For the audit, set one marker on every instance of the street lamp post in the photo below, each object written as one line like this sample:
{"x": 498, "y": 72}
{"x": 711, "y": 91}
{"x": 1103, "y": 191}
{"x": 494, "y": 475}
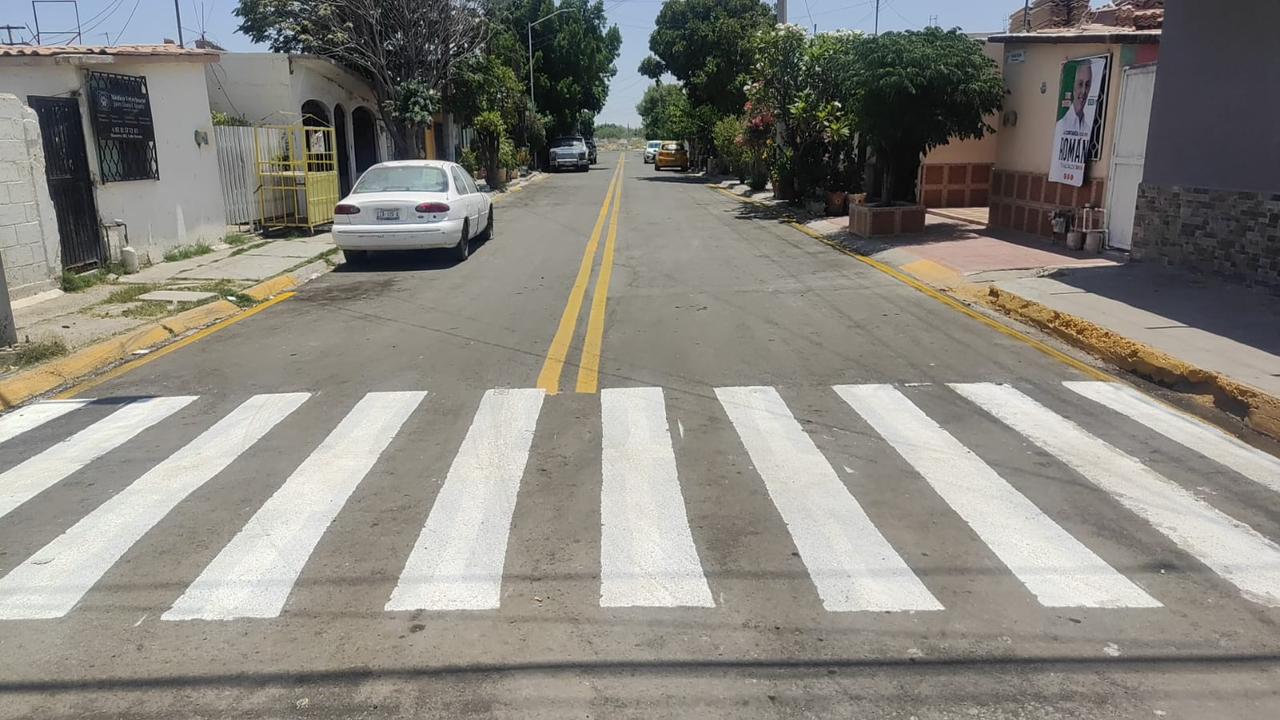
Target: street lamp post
{"x": 532, "y": 103}
{"x": 535, "y": 22}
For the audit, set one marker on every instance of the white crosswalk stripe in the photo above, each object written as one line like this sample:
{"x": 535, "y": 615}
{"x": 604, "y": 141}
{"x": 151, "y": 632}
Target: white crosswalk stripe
{"x": 1056, "y": 567}
{"x": 35, "y": 475}
{"x": 850, "y": 562}
{"x": 33, "y": 416}
{"x": 1208, "y": 441}
{"x": 648, "y": 540}
{"x": 1237, "y": 552}
{"x": 457, "y": 562}
{"x": 647, "y": 556}
{"x": 51, "y": 582}
{"x": 255, "y": 572}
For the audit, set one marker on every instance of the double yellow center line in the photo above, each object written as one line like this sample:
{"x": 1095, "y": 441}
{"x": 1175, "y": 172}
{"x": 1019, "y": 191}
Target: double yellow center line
{"x": 589, "y": 363}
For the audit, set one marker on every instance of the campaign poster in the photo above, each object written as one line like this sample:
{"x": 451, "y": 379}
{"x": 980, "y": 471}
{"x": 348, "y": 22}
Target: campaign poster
{"x": 1081, "y": 95}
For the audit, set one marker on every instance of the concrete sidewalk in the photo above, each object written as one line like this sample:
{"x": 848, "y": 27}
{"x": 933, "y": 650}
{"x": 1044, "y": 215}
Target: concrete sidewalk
{"x": 1194, "y": 333}
{"x": 64, "y": 336}
{"x": 125, "y": 302}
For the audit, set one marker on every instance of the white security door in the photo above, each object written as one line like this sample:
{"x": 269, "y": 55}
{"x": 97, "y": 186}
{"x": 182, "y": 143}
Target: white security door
{"x": 1129, "y": 153}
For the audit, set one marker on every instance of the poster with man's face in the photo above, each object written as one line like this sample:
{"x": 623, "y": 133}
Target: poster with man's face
{"x": 1079, "y": 108}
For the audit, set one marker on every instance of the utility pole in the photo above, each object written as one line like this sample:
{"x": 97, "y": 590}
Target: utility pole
{"x": 1026, "y": 16}
{"x": 178, "y": 12}
{"x": 782, "y": 11}
{"x": 877, "y": 30}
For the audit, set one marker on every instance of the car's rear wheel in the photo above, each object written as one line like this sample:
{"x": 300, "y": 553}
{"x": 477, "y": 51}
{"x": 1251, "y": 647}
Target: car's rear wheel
{"x": 462, "y": 250}
{"x": 487, "y": 235}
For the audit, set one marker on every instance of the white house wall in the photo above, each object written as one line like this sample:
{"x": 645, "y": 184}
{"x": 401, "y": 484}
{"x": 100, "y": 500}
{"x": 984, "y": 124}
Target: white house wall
{"x": 185, "y": 205}
{"x": 270, "y": 88}
{"x": 254, "y": 86}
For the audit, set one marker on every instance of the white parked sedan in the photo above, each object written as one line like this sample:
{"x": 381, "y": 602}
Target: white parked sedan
{"x": 412, "y": 205}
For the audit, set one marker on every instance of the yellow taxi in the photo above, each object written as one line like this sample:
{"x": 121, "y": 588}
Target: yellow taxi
{"x": 671, "y": 154}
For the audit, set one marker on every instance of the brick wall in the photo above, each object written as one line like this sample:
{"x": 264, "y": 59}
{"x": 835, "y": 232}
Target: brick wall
{"x": 1025, "y": 201}
{"x": 28, "y": 228}
{"x": 955, "y": 184}
{"x": 1231, "y": 233}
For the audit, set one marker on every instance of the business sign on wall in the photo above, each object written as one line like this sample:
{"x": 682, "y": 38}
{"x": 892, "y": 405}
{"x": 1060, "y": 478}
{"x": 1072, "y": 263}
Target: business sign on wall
{"x": 1081, "y": 113}
{"x": 120, "y": 111}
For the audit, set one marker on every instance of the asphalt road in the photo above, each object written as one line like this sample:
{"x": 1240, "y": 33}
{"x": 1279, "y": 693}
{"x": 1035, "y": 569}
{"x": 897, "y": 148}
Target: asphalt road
{"x": 755, "y": 478}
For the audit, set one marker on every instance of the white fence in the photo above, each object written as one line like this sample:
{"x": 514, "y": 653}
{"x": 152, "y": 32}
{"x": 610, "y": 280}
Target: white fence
{"x": 237, "y": 172}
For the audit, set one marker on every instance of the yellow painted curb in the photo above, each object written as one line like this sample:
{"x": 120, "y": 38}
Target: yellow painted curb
{"x": 136, "y": 363}
{"x": 1260, "y": 410}
{"x": 25, "y": 385}
{"x": 934, "y": 273}
{"x": 199, "y": 316}
{"x": 271, "y": 286}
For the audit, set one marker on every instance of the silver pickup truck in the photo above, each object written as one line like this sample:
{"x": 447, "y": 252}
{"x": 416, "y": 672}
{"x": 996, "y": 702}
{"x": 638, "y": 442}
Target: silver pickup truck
{"x": 569, "y": 151}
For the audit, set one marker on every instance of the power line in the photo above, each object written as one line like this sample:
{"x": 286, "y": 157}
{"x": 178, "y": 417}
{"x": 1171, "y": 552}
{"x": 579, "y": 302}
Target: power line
{"x": 97, "y": 20}
{"x": 100, "y": 13}
{"x": 127, "y": 20}
{"x": 892, "y": 7}
{"x": 820, "y": 13}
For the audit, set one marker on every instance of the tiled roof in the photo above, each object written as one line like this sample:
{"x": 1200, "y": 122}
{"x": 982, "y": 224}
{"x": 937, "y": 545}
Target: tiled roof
{"x": 129, "y": 50}
{"x": 1081, "y": 34}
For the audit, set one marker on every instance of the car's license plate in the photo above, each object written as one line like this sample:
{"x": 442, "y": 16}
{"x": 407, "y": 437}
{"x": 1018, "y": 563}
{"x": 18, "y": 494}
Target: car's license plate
{"x": 385, "y": 214}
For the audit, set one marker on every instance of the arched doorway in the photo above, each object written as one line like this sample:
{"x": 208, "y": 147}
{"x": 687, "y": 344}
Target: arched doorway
{"x": 365, "y": 137}
{"x": 340, "y": 137}
{"x": 315, "y": 114}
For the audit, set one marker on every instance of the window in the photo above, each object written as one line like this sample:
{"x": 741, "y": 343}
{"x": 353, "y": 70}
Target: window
{"x": 120, "y": 111}
{"x": 458, "y": 183}
{"x": 471, "y": 182}
{"x": 402, "y": 178}
{"x": 672, "y": 146}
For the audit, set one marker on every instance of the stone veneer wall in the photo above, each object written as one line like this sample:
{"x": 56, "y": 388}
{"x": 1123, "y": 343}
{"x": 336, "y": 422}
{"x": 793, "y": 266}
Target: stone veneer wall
{"x": 1231, "y": 233}
{"x": 1025, "y": 201}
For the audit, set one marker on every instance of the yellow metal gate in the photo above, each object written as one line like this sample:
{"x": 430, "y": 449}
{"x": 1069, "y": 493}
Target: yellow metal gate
{"x": 297, "y": 175}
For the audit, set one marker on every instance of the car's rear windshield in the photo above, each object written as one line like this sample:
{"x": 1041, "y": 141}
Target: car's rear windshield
{"x": 403, "y": 178}
{"x": 671, "y": 146}
{"x": 566, "y": 142}
{"x": 654, "y": 143}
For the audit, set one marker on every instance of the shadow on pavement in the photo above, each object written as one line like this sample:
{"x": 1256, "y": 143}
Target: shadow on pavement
{"x": 1062, "y": 664}
{"x": 407, "y": 260}
{"x": 671, "y": 176}
{"x": 1206, "y": 302}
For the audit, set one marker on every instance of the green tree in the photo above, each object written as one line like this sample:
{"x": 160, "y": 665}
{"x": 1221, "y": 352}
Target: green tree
{"x": 406, "y": 49}
{"x": 661, "y": 109}
{"x": 707, "y": 46}
{"x": 484, "y": 84}
{"x": 913, "y": 91}
{"x": 574, "y": 54}
{"x": 613, "y": 131}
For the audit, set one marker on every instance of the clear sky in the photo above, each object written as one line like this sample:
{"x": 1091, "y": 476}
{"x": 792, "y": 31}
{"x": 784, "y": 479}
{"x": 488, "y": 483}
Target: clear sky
{"x": 150, "y": 21}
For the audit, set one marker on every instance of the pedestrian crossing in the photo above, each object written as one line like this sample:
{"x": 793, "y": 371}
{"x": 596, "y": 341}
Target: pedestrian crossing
{"x": 652, "y": 549}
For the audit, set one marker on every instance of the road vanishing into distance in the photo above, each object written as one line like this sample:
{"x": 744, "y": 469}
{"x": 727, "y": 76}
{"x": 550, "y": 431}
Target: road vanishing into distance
{"x": 648, "y": 453}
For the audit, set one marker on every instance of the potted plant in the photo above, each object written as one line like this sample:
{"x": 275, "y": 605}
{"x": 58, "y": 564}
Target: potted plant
{"x": 783, "y": 175}
{"x": 837, "y": 202}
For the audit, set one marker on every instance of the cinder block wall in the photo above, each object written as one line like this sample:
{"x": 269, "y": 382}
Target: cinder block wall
{"x": 28, "y": 227}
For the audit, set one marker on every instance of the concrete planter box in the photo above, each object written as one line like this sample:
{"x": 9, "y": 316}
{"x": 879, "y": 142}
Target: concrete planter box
{"x": 875, "y": 221}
